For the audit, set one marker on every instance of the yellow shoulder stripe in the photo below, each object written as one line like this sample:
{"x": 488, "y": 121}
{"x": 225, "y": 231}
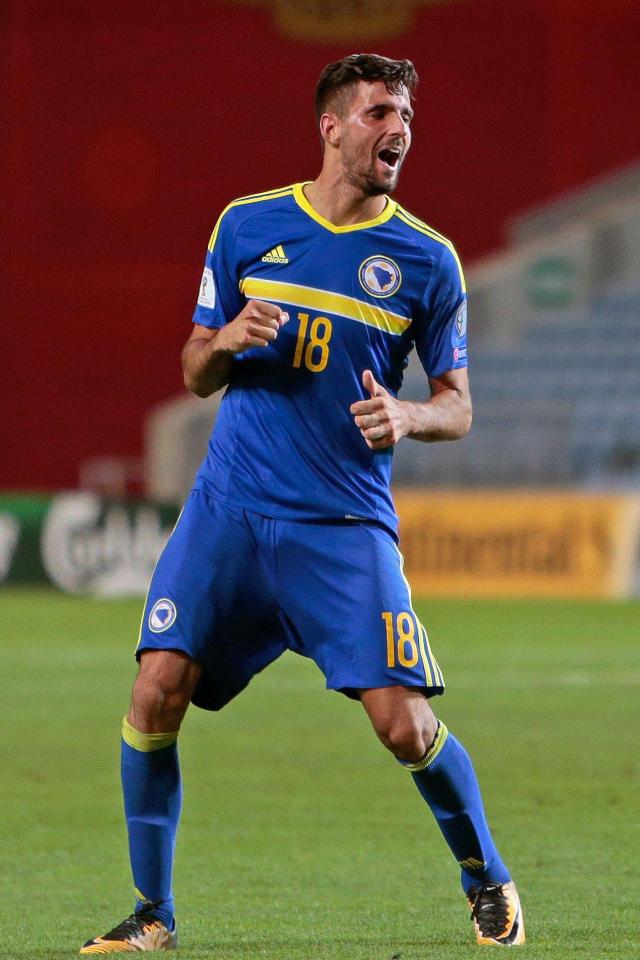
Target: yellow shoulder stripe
{"x": 264, "y": 194}
{"x": 421, "y": 227}
{"x": 416, "y": 221}
{"x": 254, "y": 198}
{"x": 325, "y": 300}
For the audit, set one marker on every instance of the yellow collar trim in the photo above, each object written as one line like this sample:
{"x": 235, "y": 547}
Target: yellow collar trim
{"x": 303, "y": 203}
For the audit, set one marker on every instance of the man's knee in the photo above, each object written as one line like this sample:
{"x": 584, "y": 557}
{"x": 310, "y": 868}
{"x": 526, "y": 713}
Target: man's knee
{"x": 162, "y": 690}
{"x": 406, "y": 739}
{"x": 403, "y": 721}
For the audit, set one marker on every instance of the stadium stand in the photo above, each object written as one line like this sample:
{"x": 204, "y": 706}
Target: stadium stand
{"x": 555, "y": 356}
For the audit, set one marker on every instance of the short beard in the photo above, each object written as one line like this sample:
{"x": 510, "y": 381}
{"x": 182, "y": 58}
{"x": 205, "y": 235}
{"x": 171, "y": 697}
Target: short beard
{"x": 370, "y": 186}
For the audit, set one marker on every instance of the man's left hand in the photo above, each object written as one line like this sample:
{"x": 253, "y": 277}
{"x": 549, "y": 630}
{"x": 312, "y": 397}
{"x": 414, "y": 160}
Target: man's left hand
{"x": 382, "y": 420}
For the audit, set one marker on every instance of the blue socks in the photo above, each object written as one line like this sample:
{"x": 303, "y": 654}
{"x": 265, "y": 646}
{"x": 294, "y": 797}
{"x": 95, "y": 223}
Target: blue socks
{"x": 446, "y": 780}
{"x": 153, "y": 796}
{"x": 152, "y": 793}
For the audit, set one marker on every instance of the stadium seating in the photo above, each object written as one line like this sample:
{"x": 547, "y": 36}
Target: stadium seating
{"x": 558, "y": 405}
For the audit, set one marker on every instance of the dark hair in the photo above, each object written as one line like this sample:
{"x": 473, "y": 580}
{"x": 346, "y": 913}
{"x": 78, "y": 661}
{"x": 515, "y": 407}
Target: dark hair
{"x": 337, "y": 77}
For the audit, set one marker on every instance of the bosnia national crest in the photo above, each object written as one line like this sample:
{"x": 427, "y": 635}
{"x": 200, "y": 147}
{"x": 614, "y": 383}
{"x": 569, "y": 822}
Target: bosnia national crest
{"x": 380, "y": 276}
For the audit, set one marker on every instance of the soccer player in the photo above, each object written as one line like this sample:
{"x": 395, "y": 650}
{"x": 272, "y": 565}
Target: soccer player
{"x": 311, "y": 299}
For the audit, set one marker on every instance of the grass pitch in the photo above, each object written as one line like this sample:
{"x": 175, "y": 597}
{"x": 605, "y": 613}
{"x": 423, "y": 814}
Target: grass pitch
{"x": 301, "y": 838}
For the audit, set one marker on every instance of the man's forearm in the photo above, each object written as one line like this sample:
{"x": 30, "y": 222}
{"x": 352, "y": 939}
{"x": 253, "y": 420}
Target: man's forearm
{"x": 446, "y": 416}
{"x": 208, "y": 356}
{"x": 205, "y": 366}
{"x": 383, "y": 420}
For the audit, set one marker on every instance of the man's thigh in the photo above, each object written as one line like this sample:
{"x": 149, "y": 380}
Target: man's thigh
{"x": 211, "y": 598}
{"x": 344, "y": 593}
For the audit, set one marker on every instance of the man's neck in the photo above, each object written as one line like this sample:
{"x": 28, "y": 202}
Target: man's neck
{"x": 340, "y": 203}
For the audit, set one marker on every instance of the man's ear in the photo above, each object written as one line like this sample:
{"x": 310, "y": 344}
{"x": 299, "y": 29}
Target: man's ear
{"x": 330, "y": 129}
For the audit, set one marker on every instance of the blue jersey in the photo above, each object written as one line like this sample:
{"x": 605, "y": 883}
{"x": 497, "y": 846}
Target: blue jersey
{"x": 359, "y": 297}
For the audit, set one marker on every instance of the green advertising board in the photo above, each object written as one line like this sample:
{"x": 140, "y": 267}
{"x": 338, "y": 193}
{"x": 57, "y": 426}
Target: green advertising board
{"x": 82, "y": 543}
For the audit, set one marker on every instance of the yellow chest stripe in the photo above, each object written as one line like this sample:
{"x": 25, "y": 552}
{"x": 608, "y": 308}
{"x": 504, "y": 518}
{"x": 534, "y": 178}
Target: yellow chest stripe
{"x": 325, "y": 301}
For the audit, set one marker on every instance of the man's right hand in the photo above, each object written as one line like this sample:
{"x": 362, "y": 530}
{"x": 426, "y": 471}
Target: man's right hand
{"x": 207, "y": 356}
{"x": 257, "y": 325}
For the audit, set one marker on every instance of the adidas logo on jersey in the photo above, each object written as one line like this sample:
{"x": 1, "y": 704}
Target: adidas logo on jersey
{"x": 277, "y": 255}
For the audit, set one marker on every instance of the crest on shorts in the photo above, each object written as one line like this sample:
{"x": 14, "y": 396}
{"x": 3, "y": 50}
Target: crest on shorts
{"x": 380, "y": 276}
{"x": 163, "y": 615}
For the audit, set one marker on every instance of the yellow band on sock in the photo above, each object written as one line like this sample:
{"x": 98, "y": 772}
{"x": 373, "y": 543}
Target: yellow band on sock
{"x": 432, "y": 752}
{"x": 146, "y": 742}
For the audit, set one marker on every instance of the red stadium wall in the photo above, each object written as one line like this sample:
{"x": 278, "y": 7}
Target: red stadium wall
{"x": 127, "y": 127}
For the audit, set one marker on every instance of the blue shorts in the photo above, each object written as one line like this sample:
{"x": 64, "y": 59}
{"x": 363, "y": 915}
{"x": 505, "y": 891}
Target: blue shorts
{"x": 233, "y": 590}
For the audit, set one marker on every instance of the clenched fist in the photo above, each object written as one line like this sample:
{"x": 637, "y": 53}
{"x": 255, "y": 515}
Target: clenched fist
{"x": 257, "y": 325}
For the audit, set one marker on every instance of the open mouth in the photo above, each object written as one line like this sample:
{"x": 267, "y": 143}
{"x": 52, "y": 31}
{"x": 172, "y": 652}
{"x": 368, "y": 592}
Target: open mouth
{"x": 390, "y": 157}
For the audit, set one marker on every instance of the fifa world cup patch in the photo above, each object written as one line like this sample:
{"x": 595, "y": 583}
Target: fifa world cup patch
{"x": 163, "y": 615}
{"x": 207, "y": 294}
{"x": 380, "y": 276}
